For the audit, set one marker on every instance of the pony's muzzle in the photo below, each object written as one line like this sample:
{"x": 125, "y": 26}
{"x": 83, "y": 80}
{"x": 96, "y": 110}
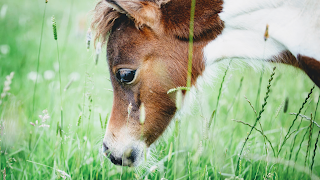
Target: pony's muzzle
{"x": 128, "y": 158}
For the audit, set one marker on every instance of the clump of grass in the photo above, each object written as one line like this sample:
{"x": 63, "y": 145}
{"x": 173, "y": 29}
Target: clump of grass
{"x": 261, "y": 132}
{"x": 287, "y": 135}
{"x": 260, "y": 113}
{"x": 60, "y": 173}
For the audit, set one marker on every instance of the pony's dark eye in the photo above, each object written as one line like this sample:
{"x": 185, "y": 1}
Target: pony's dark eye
{"x": 125, "y": 75}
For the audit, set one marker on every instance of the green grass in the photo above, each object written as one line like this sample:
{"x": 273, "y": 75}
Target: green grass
{"x": 190, "y": 148}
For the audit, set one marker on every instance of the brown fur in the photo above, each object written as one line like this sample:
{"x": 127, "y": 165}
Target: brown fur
{"x": 311, "y": 67}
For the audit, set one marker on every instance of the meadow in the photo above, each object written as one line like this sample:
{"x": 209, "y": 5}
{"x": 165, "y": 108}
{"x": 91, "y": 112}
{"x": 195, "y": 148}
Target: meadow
{"x": 245, "y": 124}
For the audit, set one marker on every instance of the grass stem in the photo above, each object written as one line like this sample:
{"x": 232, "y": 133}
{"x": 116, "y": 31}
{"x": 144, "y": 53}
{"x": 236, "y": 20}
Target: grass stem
{"x": 38, "y": 63}
{"x": 191, "y": 31}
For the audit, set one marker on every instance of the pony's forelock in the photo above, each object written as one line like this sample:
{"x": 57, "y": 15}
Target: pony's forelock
{"x": 103, "y": 20}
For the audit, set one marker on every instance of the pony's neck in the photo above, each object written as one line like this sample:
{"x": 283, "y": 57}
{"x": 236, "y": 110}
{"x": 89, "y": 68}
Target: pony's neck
{"x": 291, "y": 28}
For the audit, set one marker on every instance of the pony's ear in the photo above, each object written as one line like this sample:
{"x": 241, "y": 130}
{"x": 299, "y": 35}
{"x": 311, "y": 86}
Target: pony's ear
{"x": 144, "y": 13}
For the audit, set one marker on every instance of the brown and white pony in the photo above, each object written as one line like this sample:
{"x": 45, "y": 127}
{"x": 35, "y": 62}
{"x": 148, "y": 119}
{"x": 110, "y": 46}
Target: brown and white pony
{"x": 147, "y": 52}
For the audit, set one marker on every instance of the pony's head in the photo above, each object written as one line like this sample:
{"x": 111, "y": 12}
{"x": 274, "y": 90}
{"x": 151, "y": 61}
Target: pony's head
{"x": 147, "y": 52}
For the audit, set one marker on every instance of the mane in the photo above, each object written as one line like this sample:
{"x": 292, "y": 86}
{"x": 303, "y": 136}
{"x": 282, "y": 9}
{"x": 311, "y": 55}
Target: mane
{"x": 103, "y": 20}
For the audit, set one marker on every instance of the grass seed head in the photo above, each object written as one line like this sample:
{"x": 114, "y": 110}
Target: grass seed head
{"x": 54, "y": 27}
{"x": 142, "y": 114}
{"x": 89, "y": 37}
{"x": 98, "y": 51}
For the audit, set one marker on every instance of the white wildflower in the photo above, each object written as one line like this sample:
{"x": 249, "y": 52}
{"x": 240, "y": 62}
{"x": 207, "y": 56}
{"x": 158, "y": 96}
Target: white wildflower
{"x": 6, "y": 88}
{"x": 7, "y": 83}
{"x": 153, "y": 168}
{"x": 63, "y": 174}
{"x": 48, "y": 74}
{"x": 56, "y": 66}
{"x": 45, "y": 117}
{"x": 89, "y": 161}
{"x": 44, "y": 125}
{"x": 3, "y": 11}
{"x": 4, "y": 49}
{"x": 34, "y": 75}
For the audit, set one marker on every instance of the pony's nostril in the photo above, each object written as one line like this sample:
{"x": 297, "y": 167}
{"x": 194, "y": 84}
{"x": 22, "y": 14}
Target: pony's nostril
{"x": 105, "y": 147}
{"x": 114, "y": 160}
{"x": 130, "y": 154}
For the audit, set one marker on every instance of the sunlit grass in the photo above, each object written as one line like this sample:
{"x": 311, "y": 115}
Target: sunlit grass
{"x": 194, "y": 147}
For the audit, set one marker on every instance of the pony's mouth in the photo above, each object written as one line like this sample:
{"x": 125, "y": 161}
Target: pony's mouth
{"x": 131, "y": 156}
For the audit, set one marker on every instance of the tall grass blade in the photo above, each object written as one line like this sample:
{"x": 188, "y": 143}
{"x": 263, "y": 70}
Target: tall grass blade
{"x": 38, "y": 63}
{"x": 309, "y": 142}
{"x": 314, "y": 151}
{"x": 190, "y": 53}
{"x": 296, "y": 158}
{"x": 259, "y": 89}
{"x": 220, "y": 90}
